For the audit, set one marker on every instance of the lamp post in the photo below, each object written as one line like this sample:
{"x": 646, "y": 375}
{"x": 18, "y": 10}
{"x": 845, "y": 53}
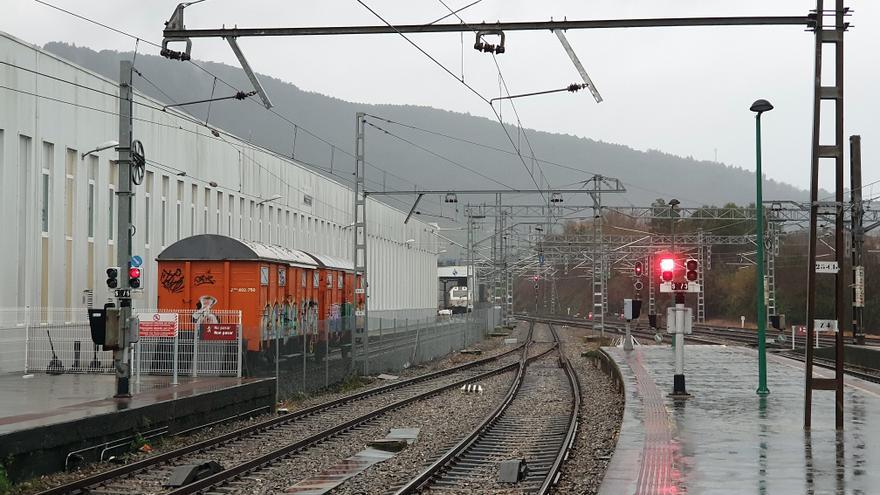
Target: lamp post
{"x": 759, "y": 107}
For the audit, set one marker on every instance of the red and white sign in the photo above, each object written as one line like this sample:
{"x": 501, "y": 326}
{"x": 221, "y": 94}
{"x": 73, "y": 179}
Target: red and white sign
{"x": 219, "y": 331}
{"x": 157, "y": 324}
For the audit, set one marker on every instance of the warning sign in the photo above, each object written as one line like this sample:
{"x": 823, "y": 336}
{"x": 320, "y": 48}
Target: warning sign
{"x": 157, "y": 324}
{"x": 219, "y": 331}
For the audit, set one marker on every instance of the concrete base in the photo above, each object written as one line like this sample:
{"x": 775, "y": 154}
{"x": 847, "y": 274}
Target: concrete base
{"x": 49, "y": 421}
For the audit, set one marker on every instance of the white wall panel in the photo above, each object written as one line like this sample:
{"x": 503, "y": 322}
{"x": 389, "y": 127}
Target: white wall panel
{"x": 401, "y": 276}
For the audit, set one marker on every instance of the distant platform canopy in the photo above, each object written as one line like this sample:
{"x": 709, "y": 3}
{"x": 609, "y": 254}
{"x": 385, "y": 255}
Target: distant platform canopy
{"x": 213, "y": 247}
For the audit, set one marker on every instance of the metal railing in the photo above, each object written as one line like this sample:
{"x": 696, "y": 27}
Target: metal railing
{"x": 58, "y": 340}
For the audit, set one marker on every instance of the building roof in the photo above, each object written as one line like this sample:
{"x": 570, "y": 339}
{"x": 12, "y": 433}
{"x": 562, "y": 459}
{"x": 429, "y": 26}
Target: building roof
{"x": 213, "y": 247}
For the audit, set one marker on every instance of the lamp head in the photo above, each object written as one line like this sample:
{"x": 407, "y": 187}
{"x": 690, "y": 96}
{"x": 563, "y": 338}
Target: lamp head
{"x": 761, "y": 106}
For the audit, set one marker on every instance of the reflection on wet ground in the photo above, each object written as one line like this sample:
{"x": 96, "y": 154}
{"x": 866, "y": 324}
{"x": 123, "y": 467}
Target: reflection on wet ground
{"x": 727, "y": 439}
{"x": 42, "y": 399}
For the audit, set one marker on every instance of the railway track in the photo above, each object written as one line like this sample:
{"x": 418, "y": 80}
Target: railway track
{"x": 537, "y": 421}
{"x": 722, "y": 336}
{"x": 248, "y": 449}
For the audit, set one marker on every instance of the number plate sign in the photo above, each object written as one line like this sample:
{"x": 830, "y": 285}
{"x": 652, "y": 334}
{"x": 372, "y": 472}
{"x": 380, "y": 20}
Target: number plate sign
{"x": 666, "y": 287}
{"x": 359, "y": 312}
{"x": 359, "y": 290}
{"x": 122, "y": 293}
{"x": 825, "y": 325}
{"x": 826, "y": 267}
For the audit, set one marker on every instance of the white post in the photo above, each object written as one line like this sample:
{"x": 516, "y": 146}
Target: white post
{"x": 174, "y": 360}
{"x": 195, "y": 362}
{"x": 742, "y": 321}
{"x": 627, "y": 340}
{"x": 792, "y": 336}
{"x": 817, "y": 338}
{"x": 27, "y": 338}
{"x": 137, "y": 363}
{"x": 239, "y": 350}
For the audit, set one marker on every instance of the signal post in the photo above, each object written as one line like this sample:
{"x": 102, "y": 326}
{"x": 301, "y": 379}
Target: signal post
{"x": 679, "y": 319}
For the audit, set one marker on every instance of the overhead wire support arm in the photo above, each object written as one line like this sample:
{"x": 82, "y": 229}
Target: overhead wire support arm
{"x": 578, "y": 65}
{"x": 241, "y": 95}
{"x": 411, "y": 210}
{"x": 571, "y": 88}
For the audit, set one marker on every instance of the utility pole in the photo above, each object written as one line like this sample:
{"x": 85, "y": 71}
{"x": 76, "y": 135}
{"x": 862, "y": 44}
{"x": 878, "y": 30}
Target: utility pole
{"x": 122, "y": 356}
{"x": 360, "y": 242}
{"x": 858, "y": 239}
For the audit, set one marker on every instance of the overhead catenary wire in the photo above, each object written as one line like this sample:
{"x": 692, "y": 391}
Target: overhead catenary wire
{"x": 220, "y": 79}
{"x": 471, "y": 88}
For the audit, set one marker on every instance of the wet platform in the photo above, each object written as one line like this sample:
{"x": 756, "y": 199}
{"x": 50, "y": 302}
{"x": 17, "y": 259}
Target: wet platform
{"x": 726, "y": 439}
{"x": 52, "y": 422}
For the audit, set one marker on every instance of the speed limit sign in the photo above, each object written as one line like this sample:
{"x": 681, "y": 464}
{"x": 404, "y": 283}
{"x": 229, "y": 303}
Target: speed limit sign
{"x": 638, "y": 285}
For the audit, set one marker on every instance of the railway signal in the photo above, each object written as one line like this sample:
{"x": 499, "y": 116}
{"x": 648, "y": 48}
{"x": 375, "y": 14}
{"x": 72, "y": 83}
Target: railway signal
{"x": 638, "y": 268}
{"x": 134, "y": 277}
{"x": 691, "y": 267}
{"x": 112, "y": 277}
{"x": 667, "y": 265}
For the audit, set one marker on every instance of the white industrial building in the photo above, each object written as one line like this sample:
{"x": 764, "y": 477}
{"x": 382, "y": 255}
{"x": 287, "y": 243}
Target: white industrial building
{"x": 58, "y": 221}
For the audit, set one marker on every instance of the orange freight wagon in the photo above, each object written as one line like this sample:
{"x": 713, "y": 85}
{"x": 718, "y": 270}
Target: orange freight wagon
{"x": 280, "y": 292}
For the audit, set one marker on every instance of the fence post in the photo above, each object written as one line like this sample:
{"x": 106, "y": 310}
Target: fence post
{"x": 239, "y": 349}
{"x": 305, "y": 341}
{"x": 195, "y": 358}
{"x": 27, "y": 339}
{"x": 174, "y": 361}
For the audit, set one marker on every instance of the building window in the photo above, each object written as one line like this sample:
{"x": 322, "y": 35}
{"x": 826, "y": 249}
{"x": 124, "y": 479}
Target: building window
{"x": 93, "y": 173}
{"x": 264, "y": 275}
{"x": 48, "y": 158}
{"x": 282, "y": 276}
{"x": 69, "y": 192}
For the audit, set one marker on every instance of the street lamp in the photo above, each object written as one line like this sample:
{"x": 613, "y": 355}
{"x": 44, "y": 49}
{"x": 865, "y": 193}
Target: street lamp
{"x": 759, "y": 107}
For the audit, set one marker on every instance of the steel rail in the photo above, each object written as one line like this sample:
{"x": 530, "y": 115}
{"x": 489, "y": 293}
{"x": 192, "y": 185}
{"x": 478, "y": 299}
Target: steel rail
{"x": 424, "y": 478}
{"x": 265, "y": 459}
{"x": 82, "y": 485}
{"x": 570, "y": 436}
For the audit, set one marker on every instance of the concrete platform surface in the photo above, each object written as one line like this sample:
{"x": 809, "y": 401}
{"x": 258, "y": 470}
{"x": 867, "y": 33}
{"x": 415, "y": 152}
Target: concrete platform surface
{"x": 43, "y": 399}
{"x": 726, "y": 439}
{"x": 49, "y": 422}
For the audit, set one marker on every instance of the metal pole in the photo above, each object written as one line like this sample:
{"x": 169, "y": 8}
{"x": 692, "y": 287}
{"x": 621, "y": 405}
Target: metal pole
{"x": 121, "y": 357}
{"x": 174, "y": 359}
{"x": 858, "y": 239}
{"x": 759, "y": 279}
{"x": 678, "y": 380}
{"x": 238, "y": 350}
{"x": 277, "y": 365}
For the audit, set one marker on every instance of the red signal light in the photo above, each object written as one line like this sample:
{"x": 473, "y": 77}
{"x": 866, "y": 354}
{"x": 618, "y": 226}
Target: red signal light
{"x": 638, "y": 268}
{"x": 134, "y": 272}
{"x": 667, "y": 265}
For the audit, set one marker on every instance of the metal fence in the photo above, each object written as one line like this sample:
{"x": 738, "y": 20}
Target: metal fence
{"x": 37, "y": 340}
{"x": 206, "y": 344}
{"x": 328, "y": 356}
{"x": 313, "y": 357}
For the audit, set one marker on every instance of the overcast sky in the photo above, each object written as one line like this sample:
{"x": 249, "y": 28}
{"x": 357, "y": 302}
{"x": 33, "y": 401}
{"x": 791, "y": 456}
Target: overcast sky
{"x": 680, "y": 90}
